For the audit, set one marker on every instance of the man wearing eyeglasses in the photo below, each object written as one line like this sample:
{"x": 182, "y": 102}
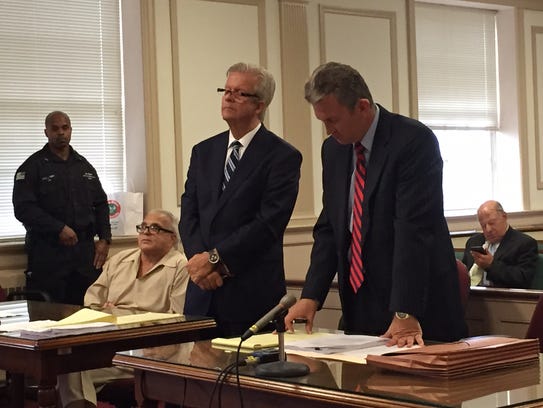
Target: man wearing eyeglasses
{"x": 152, "y": 278}
{"x": 239, "y": 195}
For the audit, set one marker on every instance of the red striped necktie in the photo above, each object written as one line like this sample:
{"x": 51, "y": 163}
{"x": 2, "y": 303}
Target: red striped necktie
{"x": 356, "y": 276}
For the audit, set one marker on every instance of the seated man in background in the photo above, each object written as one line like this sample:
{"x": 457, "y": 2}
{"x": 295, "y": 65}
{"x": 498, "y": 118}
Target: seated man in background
{"x": 500, "y": 256}
{"x": 152, "y": 277}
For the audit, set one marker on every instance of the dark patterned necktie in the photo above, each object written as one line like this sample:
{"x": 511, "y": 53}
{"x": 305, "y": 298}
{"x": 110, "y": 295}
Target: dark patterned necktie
{"x": 356, "y": 275}
{"x": 231, "y": 163}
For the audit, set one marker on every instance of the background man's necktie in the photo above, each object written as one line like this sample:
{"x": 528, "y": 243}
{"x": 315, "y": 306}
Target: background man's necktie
{"x": 231, "y": 163}
{"x": 476, "y": 274}
{"x": 356, "y": 276}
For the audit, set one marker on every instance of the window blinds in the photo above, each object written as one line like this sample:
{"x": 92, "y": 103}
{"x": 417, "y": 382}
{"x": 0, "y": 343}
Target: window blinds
{"x": 456, "y": 65}
{"x": 60, "y": 55}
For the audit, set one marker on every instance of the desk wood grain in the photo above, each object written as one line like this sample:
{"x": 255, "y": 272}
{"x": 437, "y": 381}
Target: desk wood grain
{"x": 44, "y": 358}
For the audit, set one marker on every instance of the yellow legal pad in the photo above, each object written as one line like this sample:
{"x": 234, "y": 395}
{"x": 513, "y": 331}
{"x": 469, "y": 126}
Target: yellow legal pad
{"x": 82, "y": 321}
{"x": 86, "y": 316}
{"x": 91, "y": 316}
{"x": 259, "y": 341}
{"x": 145, "y": 317}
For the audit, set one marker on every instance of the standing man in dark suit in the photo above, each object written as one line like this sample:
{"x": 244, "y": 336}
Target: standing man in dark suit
{"x": 397, "y": 277}
{"x": 508, "y": 258}
{"x": 239, "y": 195}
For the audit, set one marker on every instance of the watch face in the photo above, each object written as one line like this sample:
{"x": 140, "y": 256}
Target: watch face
{"x": 402, "y": 315}
{"x": 213, "y": 258}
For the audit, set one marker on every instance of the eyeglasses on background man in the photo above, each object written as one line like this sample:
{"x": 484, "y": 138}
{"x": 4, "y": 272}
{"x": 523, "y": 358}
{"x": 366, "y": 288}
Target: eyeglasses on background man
{"x": 151, "y": 229}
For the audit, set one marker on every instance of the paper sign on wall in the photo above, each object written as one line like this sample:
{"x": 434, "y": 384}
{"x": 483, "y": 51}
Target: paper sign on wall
{"x": 125, "y": 212}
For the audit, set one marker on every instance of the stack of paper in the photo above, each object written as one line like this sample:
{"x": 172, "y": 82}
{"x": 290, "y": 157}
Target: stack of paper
{"x": 259, "y": 341}
{"x": 13, "y": 312}
{"x": 321, "y": 345}
{"x": 452, "y": 391}
{"x": 454, "y": 360}
{"x": 83, "y": 321}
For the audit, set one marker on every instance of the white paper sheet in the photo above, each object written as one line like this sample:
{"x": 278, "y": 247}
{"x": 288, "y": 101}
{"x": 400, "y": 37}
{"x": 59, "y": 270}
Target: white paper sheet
{"x": 340, "y": 346}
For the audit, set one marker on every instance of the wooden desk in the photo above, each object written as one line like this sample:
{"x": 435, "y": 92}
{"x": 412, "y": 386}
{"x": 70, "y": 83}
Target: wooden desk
{"x": 44, "y": 358}
{"x": 185, "y": 374}
{"x": 500, "y": 311}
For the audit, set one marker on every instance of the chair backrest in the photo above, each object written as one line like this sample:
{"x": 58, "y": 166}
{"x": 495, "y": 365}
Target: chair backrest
{"x": 535, "y": 328}
{"x": 119, "y": 393}
{"x": 459, "y": 253}
{"x": 464, "y": 282}
{"x": 29, "y": 294}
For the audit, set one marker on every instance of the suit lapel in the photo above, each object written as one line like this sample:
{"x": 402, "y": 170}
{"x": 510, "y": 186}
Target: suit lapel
{"x": 339, "y": 187}
{"x": 379, "y": 153}
{"x": 503, "y": 244}
{"x": 252, "y": 158}
{"x": 217, "y": 159}
{"x": 378, "y": 159}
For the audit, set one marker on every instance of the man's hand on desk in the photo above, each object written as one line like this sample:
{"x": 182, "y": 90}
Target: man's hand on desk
{"x": 305, "y": 309}
{"x": 404, "y": 332}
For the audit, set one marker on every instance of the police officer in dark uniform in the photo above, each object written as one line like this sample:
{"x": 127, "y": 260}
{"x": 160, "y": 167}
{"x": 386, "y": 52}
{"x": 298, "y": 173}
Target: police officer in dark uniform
{"x": 58, "y": 197}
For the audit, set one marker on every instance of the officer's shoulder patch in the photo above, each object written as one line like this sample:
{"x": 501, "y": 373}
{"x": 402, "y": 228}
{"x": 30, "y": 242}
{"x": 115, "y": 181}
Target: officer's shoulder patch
{"x": 20, "y": 175}
{"x": 89, "y": 176}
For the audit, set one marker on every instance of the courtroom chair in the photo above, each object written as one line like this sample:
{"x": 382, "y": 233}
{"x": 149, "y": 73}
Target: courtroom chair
{"x": 464, "y": 282}
{"x": 29, "y": 294}
{"x": 458, "y": 253}
{"x": 535, "y": 328}
{"x": 119, "y": 393}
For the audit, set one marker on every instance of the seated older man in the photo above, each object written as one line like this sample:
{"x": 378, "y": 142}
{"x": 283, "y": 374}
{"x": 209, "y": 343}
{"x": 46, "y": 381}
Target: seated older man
{"x": 500, "y": 256}
{"x": 152, "y": 277}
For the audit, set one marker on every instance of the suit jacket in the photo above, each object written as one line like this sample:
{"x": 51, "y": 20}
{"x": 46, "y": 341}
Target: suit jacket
{"x": 407, "y": 252}
{"x": 245, "y": 222}
{"x": 514, "y": 262}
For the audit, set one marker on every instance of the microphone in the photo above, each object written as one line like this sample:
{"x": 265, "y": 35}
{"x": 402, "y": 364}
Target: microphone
{"x": 286, "y": 301}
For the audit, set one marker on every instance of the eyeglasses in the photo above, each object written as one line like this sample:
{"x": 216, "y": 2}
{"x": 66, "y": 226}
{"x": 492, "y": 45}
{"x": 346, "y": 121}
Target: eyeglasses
{"x": 236, "y": 93}
{"x": 151, "y": 229}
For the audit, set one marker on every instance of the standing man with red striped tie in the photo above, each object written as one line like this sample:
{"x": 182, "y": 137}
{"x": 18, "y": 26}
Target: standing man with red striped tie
{"x": 382, "y": 227}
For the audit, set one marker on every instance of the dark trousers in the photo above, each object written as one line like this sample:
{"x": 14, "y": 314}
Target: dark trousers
{"x": 63, "y": 272}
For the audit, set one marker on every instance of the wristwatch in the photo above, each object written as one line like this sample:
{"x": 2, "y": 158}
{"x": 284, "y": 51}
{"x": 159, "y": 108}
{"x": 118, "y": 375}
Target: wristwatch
{"x": 401, "y": 315}
{"x": 213, "y": 256}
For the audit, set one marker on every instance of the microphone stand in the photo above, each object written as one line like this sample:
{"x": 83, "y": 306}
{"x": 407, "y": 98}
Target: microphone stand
{"x": 281, "y": 368}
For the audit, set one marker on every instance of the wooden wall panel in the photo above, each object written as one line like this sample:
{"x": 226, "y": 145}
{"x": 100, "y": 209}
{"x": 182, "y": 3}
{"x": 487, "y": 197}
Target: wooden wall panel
{"x": 375, "y": 59}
